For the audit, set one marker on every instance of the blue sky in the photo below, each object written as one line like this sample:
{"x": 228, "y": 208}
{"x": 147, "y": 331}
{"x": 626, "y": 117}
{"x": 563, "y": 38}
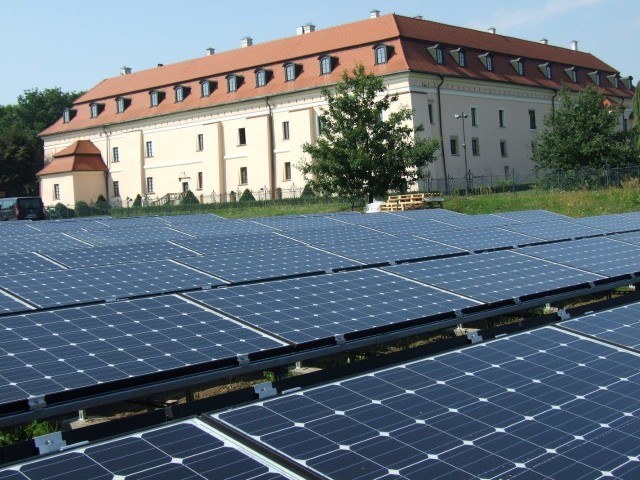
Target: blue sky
{"x": 74, "y": 44}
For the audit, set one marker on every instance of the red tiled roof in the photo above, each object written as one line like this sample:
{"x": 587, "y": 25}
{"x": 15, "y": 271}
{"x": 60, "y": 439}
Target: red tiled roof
{"x": 351, "y": 44}
{"x": 81, "y": 156}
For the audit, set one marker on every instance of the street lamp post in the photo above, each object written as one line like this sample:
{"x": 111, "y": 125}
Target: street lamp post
{"x": 462, "y": 116}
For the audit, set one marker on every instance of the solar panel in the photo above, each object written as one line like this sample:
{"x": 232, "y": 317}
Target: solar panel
{"x": 479, "y": 221}
{"x": 417, "y": 227}
{"x": 495, "y": 276}
{"x": 483, "y": 239}
{"x": 431, "y": 213}
{"x": 61, "y": 350}
{"x": 15, "y": 263}
{"x": 310, "y": 308}
{"x": 228, "y": 227}
{"x": 96, "y": 284}
{"x": 40, "y": 241}
{"x": 630, "y": 237}
{"x": 133, "y": 222}
{"x": 186, "y": 450}
{"x": 266, "y": 264}
{"x": 124, "y": 236}
{"x": 621, "y": 222}
{"x": 112, "y": 255}
{"x": 544, "y": 404}
{"x": 534, "y": 216}
{"x": 196, "y": 218}
{"x": 340, "y": 233}
{"x": 618, "y": 325}
{"x": 555, "y": 230}
{"x": 600, "y": 255}
{"x": 297, "y": 222}
{"x": 384, "y": 250}
{"x": 10, "y": 305}
{"x": 371, "y": 219}
{"x": 237, "y": 243}
{"x": 18, "y": 228}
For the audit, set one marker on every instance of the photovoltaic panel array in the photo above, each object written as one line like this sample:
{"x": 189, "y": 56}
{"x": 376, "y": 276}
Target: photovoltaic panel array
{"x": 433, "y": 213}
{"x": 268, "y": 264}
{"x": 297, "y": 222}
{"x": 423, "y": 226}
{"x": 543, "y": 404}
{"x": 338, "y": 234}
{"x": 479, "y": 240}
{"x": 495, "y": 276}
{"x": 480, "y": 221}
{"x": 311, "y": 308}
{"x": 388, "y": 250}
{"x": 122, "y": 236}
{"x": 534, "y": 216}
{"x": 54, "y": 351}
{"x": 621, "y": 222}
{"x": 15, "y": 263}
{"x": 618, "y": 325}
{"x": 10, "y": 305}
{"x": 237, "y": 243}
{"x": 227, "y": 227}
{"x": 40, "y": 241}
{"x": 629, "y": 237}
{"x": 188, "y": 450}
{"x": 555, "y": 230}
{"x": 600, "y": 255}
{"x": 97, "y": 284}
{"x": 112, "y": 255}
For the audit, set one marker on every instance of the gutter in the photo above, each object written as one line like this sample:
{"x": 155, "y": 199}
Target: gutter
{"x": 444, "y": 161}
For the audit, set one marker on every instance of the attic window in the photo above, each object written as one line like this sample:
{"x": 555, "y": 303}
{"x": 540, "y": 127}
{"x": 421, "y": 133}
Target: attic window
{"x": 595, "y": 77}
{"x": 327, "y": 64}
{"x": 628, "y": 82}
{"x": 156, "y": 96}
{"x": 206, "y": 87}
{"x": 234, "y": 82}
{"x": 487, "y": 60}
{"x": 572, "y": 73}
{"x": 182, "y": 92}
{"x": 291, "y": 71}
{"x": 96, "y": 109}
{"x": 518, "y": 65}
{"x": 460, "y": 56}
{"x": 68, "y": 114}
{"x": 121, "y": 104}
{"x": 382, "y": 54}
{"x": 437, "y": 53}
{"x": 546, "y": 70}
{"x": 614, "y": 79}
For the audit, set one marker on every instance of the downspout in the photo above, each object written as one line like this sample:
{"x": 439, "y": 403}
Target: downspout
{"x": 106, "y": 174}
{"x": 272, "y": 155}
{"x": 444, "y": 161}
{"x": 553, "y": 99}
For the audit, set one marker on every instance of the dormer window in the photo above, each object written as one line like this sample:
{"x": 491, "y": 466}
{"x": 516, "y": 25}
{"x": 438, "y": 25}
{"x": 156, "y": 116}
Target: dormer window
{"x": 628, "y": 82}
{"x": 121, "y": 104}
{"x": 234, "y": 82}
{"x": 460, "y": 56}
{"x": 487, "y": 60}
{"x": 518, "y": 65}
{"x": 437, "y": 53}
{"x": 181, "y": 92}
{"x": 156, "y": 96}
{"x": 382, "y": 54}
{"x": 595, "y": 77}
{"x": 614, "y": 80}
{"x": 546, "y": 70}
{"x": 326, "y": 64}
{"x": 261, "y": 78}
{"x": 68, "y": 114}
{"x": 291, "y": 71}
{"x": 206, "y": 87}
{"x": 572, "y": 73}
{"x": 95, "y": 109}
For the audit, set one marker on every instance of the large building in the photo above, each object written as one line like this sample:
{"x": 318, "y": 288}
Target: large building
{"x": 230, "y": 121}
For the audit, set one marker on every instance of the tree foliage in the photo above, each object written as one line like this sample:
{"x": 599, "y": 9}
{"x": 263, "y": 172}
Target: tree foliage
{"x": 364, "y": 147}
{"x": 21, "y": 150}
{"x": 582, "y": 131}
{"x": 247, "y": 196}
{"x": 189, "y": 199}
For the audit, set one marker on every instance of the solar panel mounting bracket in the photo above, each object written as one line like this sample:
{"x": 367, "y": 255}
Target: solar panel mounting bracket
{"x": 37, "y": 403}
{"x": 243, "y": 359}
{"x": 563, "y": 314}
{"x": 474, "y": 337}
{"x": 50, "y": 442}
{"x": 340, "y": 340}
{"x": 265, "y": 390}
{"x": 111, "y": 299}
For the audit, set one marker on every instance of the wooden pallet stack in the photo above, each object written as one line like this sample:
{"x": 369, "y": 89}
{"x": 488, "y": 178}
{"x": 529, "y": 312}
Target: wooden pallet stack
{"x": 412, "y": 201}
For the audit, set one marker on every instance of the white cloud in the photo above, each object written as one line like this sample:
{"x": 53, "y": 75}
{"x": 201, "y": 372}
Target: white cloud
{"x": 506, "y": 18}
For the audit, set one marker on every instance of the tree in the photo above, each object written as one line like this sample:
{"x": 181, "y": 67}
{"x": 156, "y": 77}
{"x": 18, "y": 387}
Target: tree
{"x": 636, "y": 115}
{"x": 137, "y": 203}
{"x": 358, "y": 152}
{"x": 21, "y": 149}
{"x": 247, "y": 196}
{"x": 189, "y": 199}
{"x": 582, "y": 132}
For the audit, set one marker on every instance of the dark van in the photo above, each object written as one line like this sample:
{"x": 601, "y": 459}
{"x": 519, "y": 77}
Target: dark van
{"x": 22, "y": 208}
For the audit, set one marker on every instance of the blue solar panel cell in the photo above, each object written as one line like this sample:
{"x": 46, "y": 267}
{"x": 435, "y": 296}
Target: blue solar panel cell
{"x": 40, "y": 241}
{"x": 9, "y": 304}
{"x": 340, "y": 233}
{"x": 125, "y": 236}
{"x": 616, "y": 223}
{"x": 436, "y": 418}
{"x": 305, "y": 309}
{"x": 237, "y": 243}
{"x": 555, "y": 230}
{"x": 13, "y": 264}
{"x": 479, "y": 240}
{"x": 534, "y": 216}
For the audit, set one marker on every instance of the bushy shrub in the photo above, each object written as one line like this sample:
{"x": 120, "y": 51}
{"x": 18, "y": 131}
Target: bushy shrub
{"x": 189, "y": 199}
{"x": 307, "y": 191}
{"x": 83, "y": 209}
{"x": 62, "y": 211}
{"x": 247, "y": 196}
{"x": 137, "y": 203}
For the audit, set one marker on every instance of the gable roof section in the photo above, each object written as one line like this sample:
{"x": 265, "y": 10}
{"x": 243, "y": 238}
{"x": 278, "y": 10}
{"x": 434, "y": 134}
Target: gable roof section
{"x": 350, "y": 44}
{"x": 81, "y": 156}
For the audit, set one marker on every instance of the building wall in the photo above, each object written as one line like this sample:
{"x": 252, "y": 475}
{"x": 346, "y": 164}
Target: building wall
{"x": 73, "y": 187}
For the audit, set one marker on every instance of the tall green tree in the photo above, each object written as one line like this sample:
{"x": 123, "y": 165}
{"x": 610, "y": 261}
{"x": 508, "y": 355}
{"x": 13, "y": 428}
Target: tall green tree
{"x": 21, "y": 149}
{"x": 582, "y": 131}
{"x": 364, "y": 148}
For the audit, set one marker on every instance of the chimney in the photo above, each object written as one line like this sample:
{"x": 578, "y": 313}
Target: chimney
{"x": 544, "y": 41}
{"x": 246, "y": 42}
{"x": 211, "y": 51}
{"x": 419, "y": 17}
{"x": 492, "y": 30}
{"x": 125, "y": 70}
{"x": 308, "y": 28}
{"x": 161, "y": 64}
{"x": 374, "y": 13}
{"x": 574, "y": 45}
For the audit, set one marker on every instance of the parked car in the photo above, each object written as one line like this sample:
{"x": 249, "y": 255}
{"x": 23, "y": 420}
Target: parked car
{"x": 22, "y": 208}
